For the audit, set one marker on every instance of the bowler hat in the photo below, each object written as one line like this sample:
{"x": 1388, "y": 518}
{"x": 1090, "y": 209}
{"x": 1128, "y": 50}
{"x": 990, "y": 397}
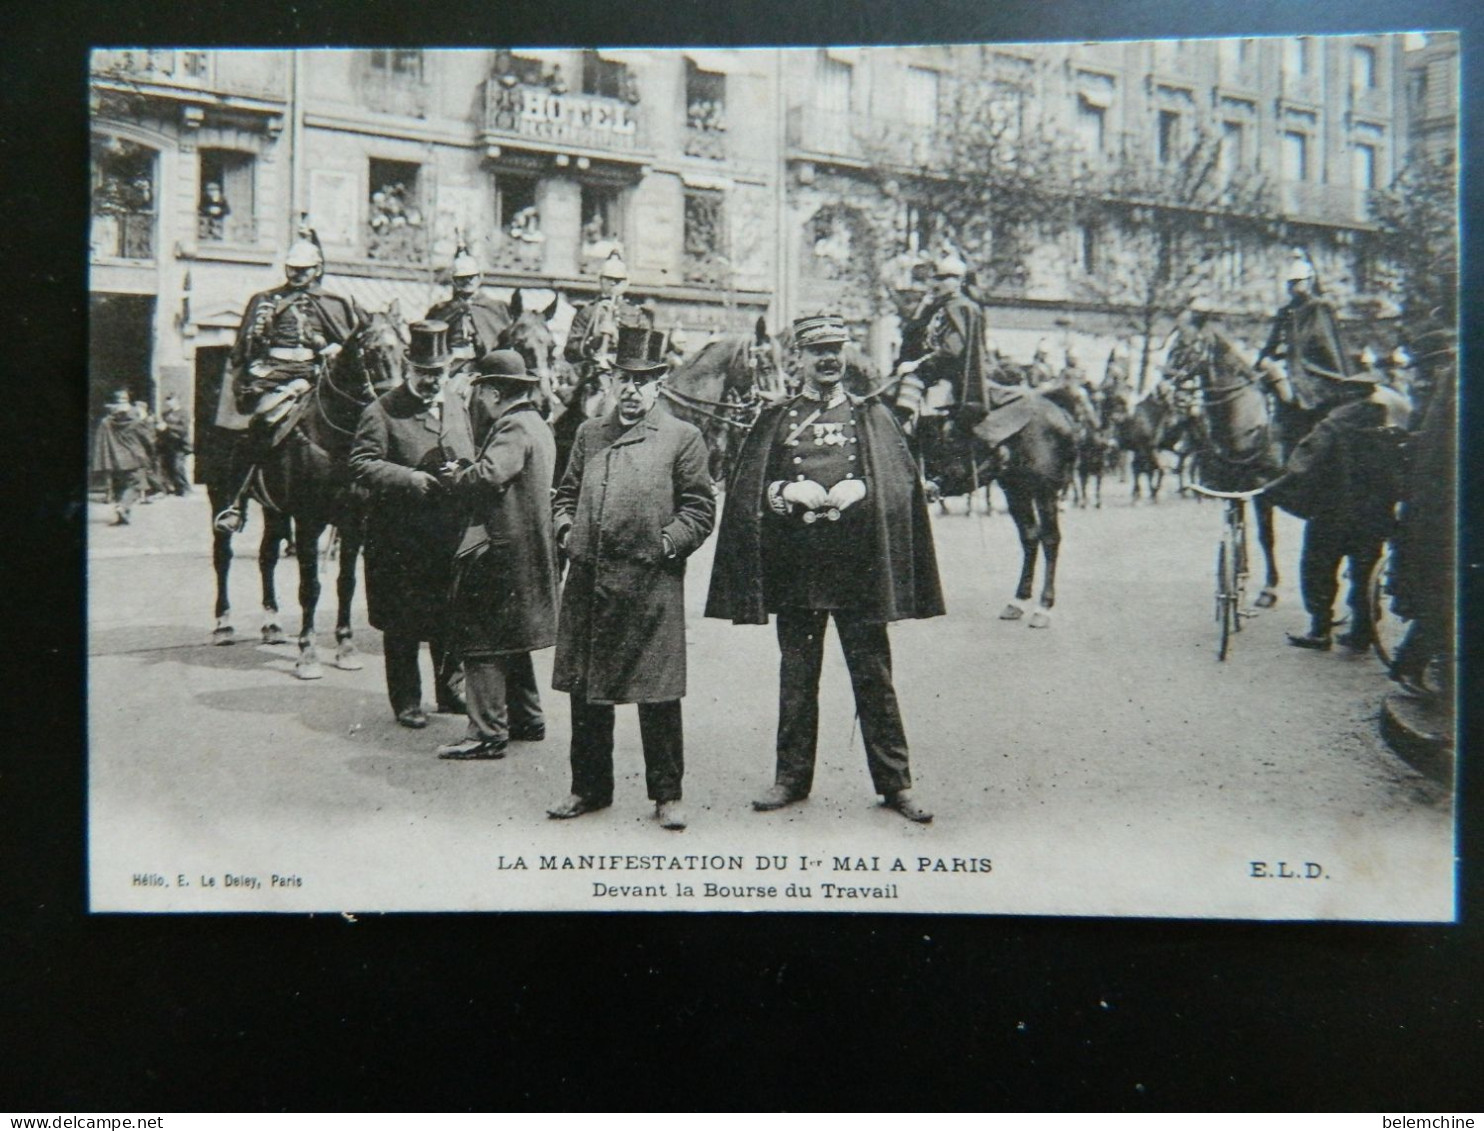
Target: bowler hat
{"x": 505, "y": 365}
{"x": 429, "y": 346}
{"x": 639, "y": 349}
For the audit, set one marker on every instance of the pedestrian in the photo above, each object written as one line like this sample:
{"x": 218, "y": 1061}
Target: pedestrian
{"x": 1345, "y": 478}
{"x": 635, "y": 502}
{"x": 173, "y": 443}
{"x": 122, "y": 455}
{"x": 503, "y": 596}
{"x": 826, "y": 518}
{"x": 152, "y": 483}
{"x": 412, "y": 527}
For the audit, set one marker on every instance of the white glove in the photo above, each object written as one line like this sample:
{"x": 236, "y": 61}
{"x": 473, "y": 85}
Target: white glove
{"x": 908, "y": 367}
{"x": 329, "y": 352}
{"x": 805, "y": 493}
{"x": 846, "y": 493}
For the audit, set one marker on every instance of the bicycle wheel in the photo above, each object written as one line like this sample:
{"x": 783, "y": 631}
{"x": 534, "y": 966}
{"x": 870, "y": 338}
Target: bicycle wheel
{"x": 1226, "y": 596}
{"x": 1389, "y": 628}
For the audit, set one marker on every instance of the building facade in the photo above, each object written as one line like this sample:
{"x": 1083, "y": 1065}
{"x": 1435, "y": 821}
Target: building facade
{"x": 737, "y": 183}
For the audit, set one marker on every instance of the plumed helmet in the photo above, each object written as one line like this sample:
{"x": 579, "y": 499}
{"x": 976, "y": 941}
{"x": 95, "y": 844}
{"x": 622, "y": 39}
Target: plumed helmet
{"x": 1300, "y": 268}
{"x": 614, "y": 268}
{"x": 303, "y": 253}
{"x": 950, "y": 265}
{"x": 464, "y": 263}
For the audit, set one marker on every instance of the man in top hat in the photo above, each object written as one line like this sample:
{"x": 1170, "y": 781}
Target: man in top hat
{"x": 594, "y": 331}
{"x": 503, "y": 601}
{"x": 1306, "y": 337}
{"x": 1344, "y": 477}
{"x": 826, "y": 517}
{"x": 122, "y": 454}
{"x": 288, "y": 332}
{"x": 474, "y": 319}
{"x": 954, "y": 341}
{"x": 412, "y": 525}
{"x": 634, "y": 503}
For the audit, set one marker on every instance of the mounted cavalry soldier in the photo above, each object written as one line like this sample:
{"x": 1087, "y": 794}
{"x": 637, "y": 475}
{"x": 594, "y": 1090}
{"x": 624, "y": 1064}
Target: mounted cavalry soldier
{"x": 474, "y": 320}
{"x": 954, "y": 340}
{"x": 594, "y": 332}
{"x": 826, "y": 517}
{"x": 1306, "y": 337}
{"x": 288, "y": 335}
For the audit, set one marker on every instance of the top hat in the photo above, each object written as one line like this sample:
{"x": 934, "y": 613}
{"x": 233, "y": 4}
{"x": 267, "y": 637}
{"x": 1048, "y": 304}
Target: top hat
{"x": 505, "y": 364}
{"x": 639, "y": 349}
{"x": 820, "y": 329}
{"x": 429, "y": 345}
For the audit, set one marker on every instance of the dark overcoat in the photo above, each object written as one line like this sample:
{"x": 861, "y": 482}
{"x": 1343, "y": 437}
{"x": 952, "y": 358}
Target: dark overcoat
{"x": 899, "y": 578}
{"x": 622, "y": 631}
{"x": 410, "y": 538}
{"x": 505, "y": 573}
{"x": 955, "y": 334}
{"x": 1306, "y": 335}
{"x": 481, "y": 316}
{"x": 122, "y": 443}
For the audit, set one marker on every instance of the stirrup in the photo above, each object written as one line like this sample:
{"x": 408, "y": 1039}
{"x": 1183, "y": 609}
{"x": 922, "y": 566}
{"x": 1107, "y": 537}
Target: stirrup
{"x": 232, "y": 520}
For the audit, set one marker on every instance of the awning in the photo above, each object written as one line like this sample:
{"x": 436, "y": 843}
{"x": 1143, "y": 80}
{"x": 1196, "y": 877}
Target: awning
{"x": 716, "y": 61}
{"x": 849, "y": 55}
{"x": 1095, "y": 90}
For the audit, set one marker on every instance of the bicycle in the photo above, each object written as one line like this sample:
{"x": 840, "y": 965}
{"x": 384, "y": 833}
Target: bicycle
{"x": 1232, "y": 565}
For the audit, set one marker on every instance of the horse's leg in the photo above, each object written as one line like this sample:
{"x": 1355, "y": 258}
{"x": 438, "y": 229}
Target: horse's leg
{"x": 273, "y": 533}
{"x": 1023, "y": 513}
{"x": 1156, "y": 476}
{"x": 351, "y": 533}
{"x": 1266, "y": 537}
{"x": 306, "y": 546}
{"x": 221, "y": 562}
{"x": 1049, "y": 527}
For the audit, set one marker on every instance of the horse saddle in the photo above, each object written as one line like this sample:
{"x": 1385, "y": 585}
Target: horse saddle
{"x": 278, "y": 413}
{"x": 1011, "y": 408}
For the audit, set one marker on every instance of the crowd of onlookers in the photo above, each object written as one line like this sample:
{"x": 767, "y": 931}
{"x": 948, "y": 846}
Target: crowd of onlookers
{"x": 138, "y": 456}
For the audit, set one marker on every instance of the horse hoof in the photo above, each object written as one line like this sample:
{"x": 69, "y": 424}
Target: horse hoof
{"x": 1012, "y": 612}
{"x": 1040, "y": 619}
{"x": 1266, "y": 599}
{"x": 272, "y": 634}
{"x": 311, "y": 670}
{"x": 347, "y": 659}
{"x": 223, "y": 634}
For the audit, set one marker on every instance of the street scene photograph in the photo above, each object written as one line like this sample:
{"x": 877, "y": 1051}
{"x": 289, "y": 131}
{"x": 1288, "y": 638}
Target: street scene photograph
{"x": 975, "y": 478}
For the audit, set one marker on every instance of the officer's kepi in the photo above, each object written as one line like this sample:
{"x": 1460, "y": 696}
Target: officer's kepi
{"x": 820, "y": 329}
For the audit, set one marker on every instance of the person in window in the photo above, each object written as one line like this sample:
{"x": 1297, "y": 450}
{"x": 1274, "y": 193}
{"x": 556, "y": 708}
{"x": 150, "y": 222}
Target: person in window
{"x": 214, "y": 211}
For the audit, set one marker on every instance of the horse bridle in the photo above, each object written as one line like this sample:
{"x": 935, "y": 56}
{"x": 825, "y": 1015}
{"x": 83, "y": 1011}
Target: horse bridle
{"x": 355, "y": 346}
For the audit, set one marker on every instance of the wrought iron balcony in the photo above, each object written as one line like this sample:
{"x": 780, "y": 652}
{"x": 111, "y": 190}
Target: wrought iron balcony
{"x": 230, "y": 229}
{"x": 513, "y": 254}
{"x": 705, "y": 141}
{"x": 173, "y": 71}
{"x": 523, "y": 116}
{"x": 123, "y": 235}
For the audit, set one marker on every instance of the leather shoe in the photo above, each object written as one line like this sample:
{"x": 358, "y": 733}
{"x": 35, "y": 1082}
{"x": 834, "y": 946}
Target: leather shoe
{"x": 472, "y": 750}
{"x": 1318, "y": 642}
{"x": 452, "y": 707}
{"x": 670, "y": 815}
{"x": 414, "y": 717}
{"x": 1357, "y": 641}
{"x": 776, "y": 798}
{"x": 575, "y": 806}
{"x": 902, "y": 802}
{"x": 528, "y": 734}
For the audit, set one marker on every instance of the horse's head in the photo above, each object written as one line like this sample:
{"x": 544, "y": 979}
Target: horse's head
{"x": 529, "y": 334}
{"x": 378, "y": 349}
{"x": 764, "y": 363}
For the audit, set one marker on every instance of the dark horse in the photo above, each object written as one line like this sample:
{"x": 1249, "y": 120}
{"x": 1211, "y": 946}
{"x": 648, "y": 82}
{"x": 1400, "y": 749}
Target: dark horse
{"x": 720, "y": 389}
{"x": 1163, "y": 421}
{"x": 306, "y": 478}
{"x": 1237, "y": 446}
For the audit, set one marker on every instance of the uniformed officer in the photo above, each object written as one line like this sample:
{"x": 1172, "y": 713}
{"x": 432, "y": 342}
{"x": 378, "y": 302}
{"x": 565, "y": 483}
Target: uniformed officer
{"x": 955, "y": 341}
{"x": 826, "y": 517}
{"x": 1306, "y": 337}
{"x": 474, "y": 320}
{"x": 594, "y": 331}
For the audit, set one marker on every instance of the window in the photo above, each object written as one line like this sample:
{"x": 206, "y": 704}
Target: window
{"x": 1298, "y": 57}
{"x": 1169, "y": 136}
{"x": 602, "y": 226}
{"x": 1363, "y": 69}
{"x": 403, "y": 64}
{"x": 1365, "y": 166}
{"x": 123, "y": 177}
{"x": 1089, "y": 246}
{"x": 705, "y": 237}
{"x": 1094, "y": 98}
{"x": 395, "y": 222}
{"x": 225, "y": 209}
{"x": 921, "y": 107}
{"x": 1295, "y": 155}
{"x": 607, "y": 78}
{"x": 832, "y": 92}
{"x": 705, "y": 112}
{"x": 520, "y": 244}
{"x": 1232, "y": 266}
{"x": 1233, "y": 153}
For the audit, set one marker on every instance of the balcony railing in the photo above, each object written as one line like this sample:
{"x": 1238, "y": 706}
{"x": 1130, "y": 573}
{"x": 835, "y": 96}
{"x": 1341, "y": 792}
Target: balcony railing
{"x": 124, "y": 235}
{"x": 519, "y": 255}
{"x": 227, "y": 230}
{"x": 251, "y": 73}
{"x": 1334, "y": 203}
{"x": 534, "y": 114}
{"x": 703, "y": 141}
{"x": 861, "y": 137}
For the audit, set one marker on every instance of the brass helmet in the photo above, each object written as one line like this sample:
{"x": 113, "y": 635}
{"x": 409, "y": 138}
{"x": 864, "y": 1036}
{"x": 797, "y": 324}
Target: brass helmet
{"x": 305, "y": 250}
{"x": 614, "y": 268}
{"x": 1300, "y": 268}
{"x": 464, "y": 263}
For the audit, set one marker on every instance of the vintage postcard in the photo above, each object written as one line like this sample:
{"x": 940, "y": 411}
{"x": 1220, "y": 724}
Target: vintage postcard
{"x": 995, "y": 478}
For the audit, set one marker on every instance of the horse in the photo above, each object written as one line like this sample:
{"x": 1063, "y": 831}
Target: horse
{"x": 720, "y": 389}
{"x": 306, "y": 478}
{"x": 1097, "y": 455}
{"x": 1237, "y": 446}
{"x": 1162, "y": 421}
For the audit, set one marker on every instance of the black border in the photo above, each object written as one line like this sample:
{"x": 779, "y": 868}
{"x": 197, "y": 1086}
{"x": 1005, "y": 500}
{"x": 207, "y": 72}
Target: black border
{"x": 445, "y": 1012}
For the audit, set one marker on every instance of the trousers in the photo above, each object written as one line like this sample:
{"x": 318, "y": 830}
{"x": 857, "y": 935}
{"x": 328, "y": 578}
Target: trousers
{"x": 868, "y": 658}
{"x": 660, "y": 731}
{"x": 1327, "y": 542}
{"x": 403, "y": 679}
{"x": 501, "y": 693}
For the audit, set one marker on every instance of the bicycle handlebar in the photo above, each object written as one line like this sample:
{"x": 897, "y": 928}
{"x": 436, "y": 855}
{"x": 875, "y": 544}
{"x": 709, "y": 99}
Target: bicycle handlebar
{"x": 1209, "y": 493}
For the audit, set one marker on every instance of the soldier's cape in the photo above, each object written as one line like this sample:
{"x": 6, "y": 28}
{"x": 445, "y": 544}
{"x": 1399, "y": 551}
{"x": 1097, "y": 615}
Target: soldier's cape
{"x": 959, "y": 356}
{"x": 340, "y": 316}
{"x": 899, "y": 581}
{"x": 1309, "y": 339}
{"x": 489, "y": 317}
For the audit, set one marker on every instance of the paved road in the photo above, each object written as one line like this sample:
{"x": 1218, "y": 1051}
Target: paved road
{"x": 1105, "y": 765}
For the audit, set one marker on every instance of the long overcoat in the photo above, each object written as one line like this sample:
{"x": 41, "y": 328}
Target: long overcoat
{"x": 410, "y": 538}
{"x": 505, "y": 573}
{"x": 899, "y": 575}
{"x": 622, "y": 633}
